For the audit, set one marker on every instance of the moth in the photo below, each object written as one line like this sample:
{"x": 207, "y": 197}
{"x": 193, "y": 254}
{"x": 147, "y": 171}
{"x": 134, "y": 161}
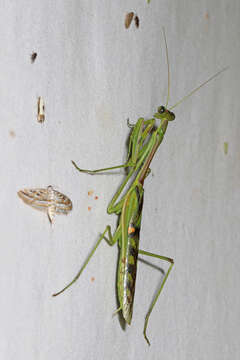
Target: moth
{"x": 48, "y": 200}
{"x": 41, "y": 110}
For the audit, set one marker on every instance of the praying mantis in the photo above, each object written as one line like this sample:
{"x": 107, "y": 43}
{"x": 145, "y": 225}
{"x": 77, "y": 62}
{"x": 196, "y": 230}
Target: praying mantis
{"x": 145, "y": 138}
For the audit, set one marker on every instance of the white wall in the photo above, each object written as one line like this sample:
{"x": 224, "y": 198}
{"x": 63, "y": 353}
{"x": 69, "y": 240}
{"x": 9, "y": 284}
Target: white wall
{"x": 93, "y": 74}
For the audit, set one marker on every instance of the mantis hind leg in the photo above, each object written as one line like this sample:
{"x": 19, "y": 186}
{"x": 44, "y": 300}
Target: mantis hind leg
{"x": 169, "y": 260}
{"x": 111, "y": 240}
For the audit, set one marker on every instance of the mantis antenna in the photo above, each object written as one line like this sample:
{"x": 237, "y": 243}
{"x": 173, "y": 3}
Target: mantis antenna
{"x": 168, "y": 66}
{"x": 194, "y": 90}
{"x": 197, "y": 88}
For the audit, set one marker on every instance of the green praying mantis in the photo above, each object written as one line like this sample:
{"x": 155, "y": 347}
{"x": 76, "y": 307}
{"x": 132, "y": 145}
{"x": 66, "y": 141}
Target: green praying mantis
{"x": 145, "y": 139}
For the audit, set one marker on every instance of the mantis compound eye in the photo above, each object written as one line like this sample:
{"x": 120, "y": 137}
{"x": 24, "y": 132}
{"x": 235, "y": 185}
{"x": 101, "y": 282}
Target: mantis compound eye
{"x": 172, "y": 115}
{"x": 161, "y": 109}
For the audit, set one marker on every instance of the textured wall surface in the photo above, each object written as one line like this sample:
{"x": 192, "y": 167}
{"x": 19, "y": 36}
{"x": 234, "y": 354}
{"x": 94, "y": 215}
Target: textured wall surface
{"x": 94, "y": 74}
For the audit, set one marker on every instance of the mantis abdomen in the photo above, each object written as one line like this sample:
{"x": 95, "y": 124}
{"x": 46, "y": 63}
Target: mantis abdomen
{"x": 127, "y": 267}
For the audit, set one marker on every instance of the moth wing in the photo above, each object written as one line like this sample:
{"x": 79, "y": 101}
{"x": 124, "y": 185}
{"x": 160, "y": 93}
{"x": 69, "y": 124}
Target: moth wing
{"x": 37, "y": 198}
{"x": 62, "y": 202}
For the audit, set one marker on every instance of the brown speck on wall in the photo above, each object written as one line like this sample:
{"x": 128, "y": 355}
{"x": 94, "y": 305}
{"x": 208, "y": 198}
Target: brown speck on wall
{"x": 225, "y": 147}
{"x": 12, "y": 133}
{"x": 136, "y": 19}
{"x": 33, "y": 57}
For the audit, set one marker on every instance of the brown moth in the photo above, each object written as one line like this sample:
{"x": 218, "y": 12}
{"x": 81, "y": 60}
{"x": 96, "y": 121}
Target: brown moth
{"x": 48, "y": 200}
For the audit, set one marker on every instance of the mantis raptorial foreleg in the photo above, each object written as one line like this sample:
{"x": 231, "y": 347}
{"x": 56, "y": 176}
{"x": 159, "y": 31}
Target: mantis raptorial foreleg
{"x": 136, "y": 156}
{"x": 139, "y": 133}
{"x": 171, "y": 261}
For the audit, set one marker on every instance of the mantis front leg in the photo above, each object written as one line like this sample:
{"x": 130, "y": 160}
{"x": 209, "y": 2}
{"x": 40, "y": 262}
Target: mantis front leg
{"x": 137, "y": 138}
{"x": 137, "y": 152}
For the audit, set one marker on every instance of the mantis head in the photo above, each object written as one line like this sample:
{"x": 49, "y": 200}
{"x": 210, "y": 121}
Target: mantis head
{"x": 164, "y": 114}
